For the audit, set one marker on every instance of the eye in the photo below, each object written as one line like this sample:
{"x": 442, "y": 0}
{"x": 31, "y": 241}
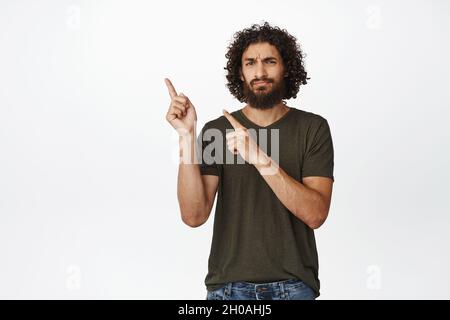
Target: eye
{"x": 250, "y": 62}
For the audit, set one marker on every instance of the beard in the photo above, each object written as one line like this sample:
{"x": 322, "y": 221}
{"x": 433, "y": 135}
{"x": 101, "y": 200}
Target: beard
{"x": 265, "y": 97}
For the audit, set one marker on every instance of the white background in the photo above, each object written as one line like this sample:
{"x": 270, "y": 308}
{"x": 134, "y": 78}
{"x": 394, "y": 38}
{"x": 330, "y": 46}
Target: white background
{"x": 88, "y": 205}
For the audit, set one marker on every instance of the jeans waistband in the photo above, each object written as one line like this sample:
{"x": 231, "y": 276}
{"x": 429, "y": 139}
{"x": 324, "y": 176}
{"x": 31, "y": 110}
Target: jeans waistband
{"x": 259, "y": 287}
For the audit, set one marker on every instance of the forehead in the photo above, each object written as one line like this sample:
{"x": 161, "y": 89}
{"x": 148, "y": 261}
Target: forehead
{"x": 261, "y": 50}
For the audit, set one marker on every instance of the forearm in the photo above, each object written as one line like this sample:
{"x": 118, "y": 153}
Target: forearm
{"x": 306, "y": 204}
{"x": 190, "y": 188}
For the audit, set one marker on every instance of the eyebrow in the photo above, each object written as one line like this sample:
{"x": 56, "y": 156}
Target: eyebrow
{"x": 265, "y": 59}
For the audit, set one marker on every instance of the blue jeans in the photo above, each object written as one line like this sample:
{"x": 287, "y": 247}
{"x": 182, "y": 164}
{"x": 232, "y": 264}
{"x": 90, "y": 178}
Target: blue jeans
{"x": 292, "y": 289}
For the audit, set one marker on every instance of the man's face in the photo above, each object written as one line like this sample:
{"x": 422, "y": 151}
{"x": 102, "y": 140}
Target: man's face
{"x": 262, "y": 72}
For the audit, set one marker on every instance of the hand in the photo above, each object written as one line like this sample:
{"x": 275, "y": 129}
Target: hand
{"x": 240, "y": 142}
{"x": 181, "y": 114}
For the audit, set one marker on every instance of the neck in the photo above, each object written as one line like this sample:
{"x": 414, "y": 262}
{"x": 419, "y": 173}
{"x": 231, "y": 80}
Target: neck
{"x": 265, "y": 117}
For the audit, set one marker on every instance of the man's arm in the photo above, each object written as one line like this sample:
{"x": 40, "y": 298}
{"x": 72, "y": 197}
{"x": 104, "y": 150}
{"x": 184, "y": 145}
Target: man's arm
{"x": 310, "y": 201}
{"x": 196, "y": 192}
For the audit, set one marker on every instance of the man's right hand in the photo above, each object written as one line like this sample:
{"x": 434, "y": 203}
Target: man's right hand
{"x": 181, "y": 114}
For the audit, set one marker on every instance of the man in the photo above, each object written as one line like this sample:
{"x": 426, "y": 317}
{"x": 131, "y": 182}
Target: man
{"x": 270, "y": 202}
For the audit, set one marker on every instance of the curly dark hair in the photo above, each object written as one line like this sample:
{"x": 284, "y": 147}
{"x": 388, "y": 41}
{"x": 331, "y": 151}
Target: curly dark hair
{"x": 287, "y": 46}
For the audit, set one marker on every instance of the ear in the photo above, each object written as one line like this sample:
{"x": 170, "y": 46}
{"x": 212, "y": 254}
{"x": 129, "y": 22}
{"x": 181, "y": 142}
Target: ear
{"x": 240, "y": 74}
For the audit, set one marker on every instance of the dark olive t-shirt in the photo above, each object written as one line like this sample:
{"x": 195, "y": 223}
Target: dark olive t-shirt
{"x": 255, "y": 237}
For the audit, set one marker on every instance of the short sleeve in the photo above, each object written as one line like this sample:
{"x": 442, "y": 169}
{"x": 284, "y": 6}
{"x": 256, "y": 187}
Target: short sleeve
{"x": 319, "y": 157}
{"x": 207, "y": 163}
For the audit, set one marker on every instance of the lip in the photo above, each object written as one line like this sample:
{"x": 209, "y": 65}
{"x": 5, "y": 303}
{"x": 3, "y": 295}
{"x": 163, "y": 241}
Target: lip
{"x": 260, "y": 82}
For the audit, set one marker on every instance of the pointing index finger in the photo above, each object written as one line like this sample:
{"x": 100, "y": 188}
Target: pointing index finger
{"x": 236, "y": 124}
{"x": 172, "y": 91}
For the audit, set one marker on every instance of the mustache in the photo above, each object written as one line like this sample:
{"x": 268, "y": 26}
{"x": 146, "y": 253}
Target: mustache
{"x": 264, "y": 79}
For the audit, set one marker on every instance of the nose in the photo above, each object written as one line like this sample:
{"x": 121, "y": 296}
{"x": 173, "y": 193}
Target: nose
{"x": 260, "y": 70}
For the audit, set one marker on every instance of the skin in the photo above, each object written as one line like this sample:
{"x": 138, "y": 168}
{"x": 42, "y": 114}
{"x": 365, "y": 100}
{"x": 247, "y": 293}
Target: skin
{"x": 309, "y": 200}
{"x": 195, "y": 192}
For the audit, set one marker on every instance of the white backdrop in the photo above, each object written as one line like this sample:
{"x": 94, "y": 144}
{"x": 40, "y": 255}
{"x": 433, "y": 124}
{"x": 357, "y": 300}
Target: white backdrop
{"x": 88, "y": 206}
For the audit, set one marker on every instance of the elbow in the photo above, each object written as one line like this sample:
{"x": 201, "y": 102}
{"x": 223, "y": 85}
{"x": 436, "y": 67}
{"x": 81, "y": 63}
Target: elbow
{"x": 193, "y": 224}
{"x": 192, "y": 220}
{"x": 193, "y": 215}
{"x": 316, "y": 224}
{"x": 317, "y": 221}
{"x": 318, "y": 216}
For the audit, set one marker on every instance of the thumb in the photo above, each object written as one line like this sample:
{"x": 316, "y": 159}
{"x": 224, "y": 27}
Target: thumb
{"x": 189, "y": 104}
